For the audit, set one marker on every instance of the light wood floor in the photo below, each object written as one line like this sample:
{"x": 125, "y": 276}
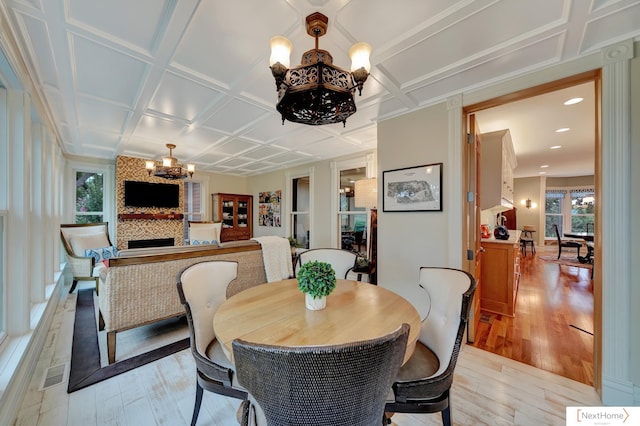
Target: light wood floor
{"x": 488, "y": 390}
{"x": 553, "y": 325}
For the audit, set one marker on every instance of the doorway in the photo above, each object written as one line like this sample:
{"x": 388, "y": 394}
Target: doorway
{"x": 473, "y": 212}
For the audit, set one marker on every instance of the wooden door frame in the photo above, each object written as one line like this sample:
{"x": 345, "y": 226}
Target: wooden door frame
{"x": 594, "y": 76}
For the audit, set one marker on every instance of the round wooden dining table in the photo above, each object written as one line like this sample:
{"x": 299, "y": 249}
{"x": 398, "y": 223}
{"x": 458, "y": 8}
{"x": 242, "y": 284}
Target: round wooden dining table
{"x": 275, "y": 314}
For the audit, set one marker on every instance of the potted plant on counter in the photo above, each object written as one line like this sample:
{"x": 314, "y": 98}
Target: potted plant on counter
{"x": 317, "y": 280}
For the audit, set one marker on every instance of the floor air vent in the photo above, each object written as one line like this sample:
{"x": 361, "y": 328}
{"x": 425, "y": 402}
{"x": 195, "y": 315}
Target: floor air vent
{"x": 54, "y": 376}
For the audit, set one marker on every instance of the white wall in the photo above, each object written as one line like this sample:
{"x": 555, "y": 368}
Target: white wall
{"x": 409, "y": 240}
{"x": 531, "y": 188}
{"x": 320, "y": 188}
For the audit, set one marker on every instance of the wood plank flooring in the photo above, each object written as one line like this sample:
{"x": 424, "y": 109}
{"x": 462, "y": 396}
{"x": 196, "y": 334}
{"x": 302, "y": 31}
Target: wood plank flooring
{"x": 553, "y": 326}
{"x": 488, "y": 390}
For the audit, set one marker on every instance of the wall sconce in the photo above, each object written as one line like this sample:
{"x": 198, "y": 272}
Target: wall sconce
{"x": 528, "y": 203}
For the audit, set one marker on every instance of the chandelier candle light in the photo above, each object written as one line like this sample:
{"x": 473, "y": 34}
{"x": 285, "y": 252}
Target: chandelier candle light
{"x": 168, "y": 167}
{"x": 317, "y": 92}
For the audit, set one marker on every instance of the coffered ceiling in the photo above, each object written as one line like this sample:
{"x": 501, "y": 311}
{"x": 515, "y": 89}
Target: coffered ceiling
{"x": 122, "y": 77}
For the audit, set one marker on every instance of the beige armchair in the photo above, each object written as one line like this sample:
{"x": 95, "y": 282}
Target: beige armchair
{"x": 204, "y": 232}
{"x": 85, "y": 245}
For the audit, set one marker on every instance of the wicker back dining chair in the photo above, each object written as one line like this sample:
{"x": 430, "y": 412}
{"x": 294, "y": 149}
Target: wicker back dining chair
{"x": 202, "y": 288}
{"x": 424, "y": 381}
{"x": 342, "y": 261}
{"x": 319, "y": 385}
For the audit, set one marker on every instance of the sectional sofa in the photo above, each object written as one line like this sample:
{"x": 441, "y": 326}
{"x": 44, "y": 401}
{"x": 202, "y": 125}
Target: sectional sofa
{"x": 139, "y": 286}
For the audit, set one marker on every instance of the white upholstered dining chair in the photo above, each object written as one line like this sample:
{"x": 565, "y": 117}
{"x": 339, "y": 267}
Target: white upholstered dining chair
{"x": 342, "y": 261}
{"x": 202, "y": 288}
{"x": 424, "y": 382}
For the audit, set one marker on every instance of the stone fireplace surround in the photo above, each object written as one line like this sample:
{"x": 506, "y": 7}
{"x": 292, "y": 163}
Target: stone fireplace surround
{"x": 131, "y": 168}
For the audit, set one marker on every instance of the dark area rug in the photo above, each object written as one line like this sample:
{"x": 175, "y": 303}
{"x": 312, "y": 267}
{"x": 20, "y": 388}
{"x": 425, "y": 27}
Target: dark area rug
{"x": 85, "y": 351}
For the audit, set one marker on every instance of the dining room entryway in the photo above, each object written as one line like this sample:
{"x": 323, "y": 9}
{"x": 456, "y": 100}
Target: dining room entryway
{"x": 553, "y": 327}
{"x": 556, "y": 325}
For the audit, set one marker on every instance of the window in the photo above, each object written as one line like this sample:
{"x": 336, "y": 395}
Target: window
{"x": 582, "y": 210}
{"x": 192, "y": 204}
{"x": 352, "y": 220}
{"x": 300, "y": 223}
{"x": 572, "y": 209}
{"x": 554, "y": 201}
{"x": 89, "y": 197}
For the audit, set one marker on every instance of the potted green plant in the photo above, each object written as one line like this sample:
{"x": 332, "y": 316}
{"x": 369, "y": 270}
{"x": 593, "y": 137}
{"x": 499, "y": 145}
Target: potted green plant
{"x": 317, "y": 280}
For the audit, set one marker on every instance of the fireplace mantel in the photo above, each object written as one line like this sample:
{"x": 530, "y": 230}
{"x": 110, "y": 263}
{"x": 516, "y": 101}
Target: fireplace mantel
{"x": 161, "y": 216}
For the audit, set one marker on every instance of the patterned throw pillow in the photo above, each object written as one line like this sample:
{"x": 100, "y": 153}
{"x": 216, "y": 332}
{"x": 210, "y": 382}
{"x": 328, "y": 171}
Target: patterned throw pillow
{"x": 102, "y": 253}
{"x": 196, "y": 242}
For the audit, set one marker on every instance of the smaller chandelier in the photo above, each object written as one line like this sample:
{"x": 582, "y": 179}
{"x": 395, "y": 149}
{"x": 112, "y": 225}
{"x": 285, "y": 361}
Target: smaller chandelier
{"x": 317, "y": 92}
{"x": 168, "y": 167}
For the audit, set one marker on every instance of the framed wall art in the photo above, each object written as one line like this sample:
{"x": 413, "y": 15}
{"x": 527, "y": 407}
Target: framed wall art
{"x": 413, "y": 189}
{"x": 269, "y": 208}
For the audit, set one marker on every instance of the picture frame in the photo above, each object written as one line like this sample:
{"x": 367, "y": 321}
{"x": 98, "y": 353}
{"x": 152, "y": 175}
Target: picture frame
{"x": 413, "y": 189}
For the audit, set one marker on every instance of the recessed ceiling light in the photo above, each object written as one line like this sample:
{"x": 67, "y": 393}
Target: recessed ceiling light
{"x": 556, "y": 147}
{"x": 542, "y": 173}
{"x": 544, "y": 166}
{"x": 573, "y": 101}
{"x": 563, "y": 129}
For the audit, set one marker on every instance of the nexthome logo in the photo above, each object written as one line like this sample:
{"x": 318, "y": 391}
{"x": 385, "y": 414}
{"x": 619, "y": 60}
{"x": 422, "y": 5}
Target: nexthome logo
{"x": 602, "y": 416}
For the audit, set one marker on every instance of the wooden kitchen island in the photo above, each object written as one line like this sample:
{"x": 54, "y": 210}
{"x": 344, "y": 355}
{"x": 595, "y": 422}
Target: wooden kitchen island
{"x": 500, "y": 274}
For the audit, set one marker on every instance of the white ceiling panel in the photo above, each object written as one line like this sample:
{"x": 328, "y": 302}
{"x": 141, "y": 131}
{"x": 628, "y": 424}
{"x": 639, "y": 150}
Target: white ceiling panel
{"x": 102, "y": 116}
{"x": 210, "y": 158}
{"x": 179, "y": 97}
{"x": 99, "y": 140}
{"x": 234, "y": 115}
{"x": 141, "y": 24}
{"x": 151, "y": 127}
{"x": 263, "y": 153}
{"x": 234, "y": 162}
{"x": 290, "y": 157}
{"x": 106, "y": 73}
{"x": 58, "y": 108}
{"x": 41, "y": 49}
{"x": 539, "y": 54}
{"x": 234, "y": 147}
{"x": 362, "y": 18}
{"x": 620, "y": 25}
{"x": 231, "y": 26}
{"x": 412, "y": 64}
{"x": 131, "y": 76}
{"x": 202, "y": 136}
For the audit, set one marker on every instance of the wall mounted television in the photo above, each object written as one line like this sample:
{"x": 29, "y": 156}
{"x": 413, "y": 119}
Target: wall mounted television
{"x": 148, "y": 194}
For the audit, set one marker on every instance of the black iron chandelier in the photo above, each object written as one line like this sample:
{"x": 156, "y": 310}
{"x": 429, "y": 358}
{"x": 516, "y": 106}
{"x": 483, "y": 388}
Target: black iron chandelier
{"x": 168, "y": 167}
{"x": 317, "y": 92}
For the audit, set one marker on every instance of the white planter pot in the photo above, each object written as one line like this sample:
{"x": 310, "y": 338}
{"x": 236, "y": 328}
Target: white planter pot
{"x": 315, "y": 304}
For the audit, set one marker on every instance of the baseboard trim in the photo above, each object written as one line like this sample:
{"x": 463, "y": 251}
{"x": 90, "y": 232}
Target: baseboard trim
{"x": 617, "y": 393}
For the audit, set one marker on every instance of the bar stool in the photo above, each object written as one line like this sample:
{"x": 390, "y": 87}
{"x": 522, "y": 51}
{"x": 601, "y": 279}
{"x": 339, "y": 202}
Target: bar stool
{"x": 527, "y": 239}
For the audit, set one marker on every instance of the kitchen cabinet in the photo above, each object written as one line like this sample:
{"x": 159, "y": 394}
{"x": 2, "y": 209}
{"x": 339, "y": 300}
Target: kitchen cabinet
{"x": 498, "y": 161}
{"x": 500, "y": 274}
{"x": 235, "y": 213}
